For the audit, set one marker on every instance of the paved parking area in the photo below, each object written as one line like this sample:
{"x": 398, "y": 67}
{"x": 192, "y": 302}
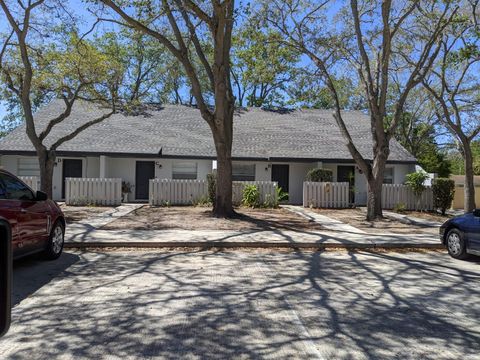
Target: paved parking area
{"x": 250, "y": 304}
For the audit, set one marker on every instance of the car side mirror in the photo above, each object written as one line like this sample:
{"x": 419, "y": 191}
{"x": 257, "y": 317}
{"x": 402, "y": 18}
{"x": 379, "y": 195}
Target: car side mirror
{"x": 41, "y": 196}
{"x": 476, "y": 212}
{"x": 5, "y": 276}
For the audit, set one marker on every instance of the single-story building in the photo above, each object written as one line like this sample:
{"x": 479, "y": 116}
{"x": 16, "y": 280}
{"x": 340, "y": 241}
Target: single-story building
{"x": 174, "y": 142}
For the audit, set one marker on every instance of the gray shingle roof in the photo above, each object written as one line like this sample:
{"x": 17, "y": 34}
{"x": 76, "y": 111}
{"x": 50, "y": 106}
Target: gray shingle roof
{"x": 180, "y": 131}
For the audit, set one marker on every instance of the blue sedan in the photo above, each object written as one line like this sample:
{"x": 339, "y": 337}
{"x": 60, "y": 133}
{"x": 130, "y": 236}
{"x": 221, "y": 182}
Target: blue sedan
{"x": 461, "y": 235}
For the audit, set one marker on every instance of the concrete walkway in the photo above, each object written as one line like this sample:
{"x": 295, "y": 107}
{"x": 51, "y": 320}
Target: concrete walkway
{"x": 102, "y": 219}
{"x": 327, "y": 222}
{"x": 411, "y": 220}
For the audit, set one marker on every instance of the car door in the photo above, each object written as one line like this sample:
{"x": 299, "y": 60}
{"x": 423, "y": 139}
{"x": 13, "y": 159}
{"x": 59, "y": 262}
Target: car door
{"x": 9, "y": 209}
{"x": 33, "y": 216}
{"x": 473, "y": 232}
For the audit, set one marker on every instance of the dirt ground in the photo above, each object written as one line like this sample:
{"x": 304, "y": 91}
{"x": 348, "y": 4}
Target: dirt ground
{"x": 201, "y": 218}
{"x": 77, "y": 213}
{"x": 356, "y": 218}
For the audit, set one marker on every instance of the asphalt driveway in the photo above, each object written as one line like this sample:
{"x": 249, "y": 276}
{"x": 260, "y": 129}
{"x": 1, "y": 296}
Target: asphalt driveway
{"x": 252, "y": 304}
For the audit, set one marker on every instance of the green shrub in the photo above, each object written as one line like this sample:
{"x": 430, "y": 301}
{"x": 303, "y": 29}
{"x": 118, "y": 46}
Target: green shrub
{"x": 400, "y": 208}
{"x": 319, "y": 175}
{"x": 212, "y": 187}
{"x": 251, "y": 196}
{"x": 415, "y": 181}
{"x": 443, "y": 192}
{"x": 281, "y": 195}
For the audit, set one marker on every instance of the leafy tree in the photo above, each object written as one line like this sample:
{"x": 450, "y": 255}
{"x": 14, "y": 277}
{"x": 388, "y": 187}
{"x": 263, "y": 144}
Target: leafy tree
{"x": 454, "y": 85}
{"x": 199, "y": 36}
{"x": 418, "y": 136}
{"x": 458, "y": 163}
{"x": 39, "y": 61}
{"x": 384, "y": 42}
{"x": 261, "y": 70}
{"x": 308, "y": 90}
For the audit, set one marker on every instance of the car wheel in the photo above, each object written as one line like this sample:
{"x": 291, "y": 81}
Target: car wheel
{"x": 55, "y": 242}
{"x": 456, "y": 244}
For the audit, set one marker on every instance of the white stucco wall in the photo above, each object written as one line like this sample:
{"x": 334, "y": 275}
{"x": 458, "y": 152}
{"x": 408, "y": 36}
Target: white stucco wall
{"x": 297, "y": 173}
{"x": 124, "y": 168}
{"x": 90, "y": 168}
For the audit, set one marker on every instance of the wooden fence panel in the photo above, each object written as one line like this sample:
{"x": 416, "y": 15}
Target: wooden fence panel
{"x": 326, "y": 194}
{"x": 32, "y": 181}
{"x": 176, "y": 192}
{"x": 187, "y": 192}
{"x": 397, "y": 194}
{"x": 93, "y": 191}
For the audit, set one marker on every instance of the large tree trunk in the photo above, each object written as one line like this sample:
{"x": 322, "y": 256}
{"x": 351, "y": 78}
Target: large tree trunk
{"x": 374, "y": 199}
{"x": 46, "y": 160}
{"x": 375, "y": 183}
{"x": 223, "y": 135}
{"x": 469, "y": 191}
{"x": 223, "y": 199}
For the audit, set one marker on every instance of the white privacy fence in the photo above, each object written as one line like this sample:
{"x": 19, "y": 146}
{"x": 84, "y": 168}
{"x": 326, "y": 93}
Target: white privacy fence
{"x": 32, "y": 181}
{"x": 93, "y": 191}
{"x": 187, "y": 192}
{"x": 176, "y": 192}
{"x": 267, "y": 190}
{"x": 398, "y": 194}
{"x": 336, "y": 195}
{"x": 326, "y": 194}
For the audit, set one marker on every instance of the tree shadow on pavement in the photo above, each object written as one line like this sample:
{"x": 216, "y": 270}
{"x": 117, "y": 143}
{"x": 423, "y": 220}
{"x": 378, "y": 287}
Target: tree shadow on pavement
{"x": 219, "y": 305}
{"x": 32, "y": 273}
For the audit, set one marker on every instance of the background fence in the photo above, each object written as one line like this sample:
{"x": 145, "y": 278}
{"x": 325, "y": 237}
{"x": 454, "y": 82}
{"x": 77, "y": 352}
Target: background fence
{"x": 397, "y": 194}
{"x": 93, "y": 191}
{"x": 326, "y": 194}
{"x": 177, "y": 192}
{"x": 459, "y": 198}
{"x": 187, "y": 192}
{"x": 32, "y": 181}
{"x": 336, "y": 195}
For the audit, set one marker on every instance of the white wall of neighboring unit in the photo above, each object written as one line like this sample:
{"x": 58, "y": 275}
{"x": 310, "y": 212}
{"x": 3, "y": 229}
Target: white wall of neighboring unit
{"x": 399, "y": 173}
{"x": 9, "y": 163}
{"x": 298, "y": 171}
{"x": 296, "y": 177}
{"x": 124, "y": 168}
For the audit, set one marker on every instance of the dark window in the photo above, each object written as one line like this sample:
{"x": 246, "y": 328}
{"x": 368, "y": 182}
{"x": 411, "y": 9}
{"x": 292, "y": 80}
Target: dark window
{"x": 243, "y": 172}
{"x": 388, "y": 176}
{"x": 184, "y": 170}
{"x": 14, "y": 189}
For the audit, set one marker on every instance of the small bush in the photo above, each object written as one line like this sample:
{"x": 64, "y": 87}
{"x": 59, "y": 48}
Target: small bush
{"x": 400, "y": 208}
{"x": 212, "y": 187}
{"x": 443, "y": 192}
{"x": 415, "y": 181}
{"x": 319, "y": 175}
{"x": 251, "y": 196}
{"x": 281, "y": 195}
{"x": 126, "y": 187}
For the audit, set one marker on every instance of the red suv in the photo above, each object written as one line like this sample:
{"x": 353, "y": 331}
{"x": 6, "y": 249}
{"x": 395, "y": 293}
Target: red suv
{"x": 36, "y": 222}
